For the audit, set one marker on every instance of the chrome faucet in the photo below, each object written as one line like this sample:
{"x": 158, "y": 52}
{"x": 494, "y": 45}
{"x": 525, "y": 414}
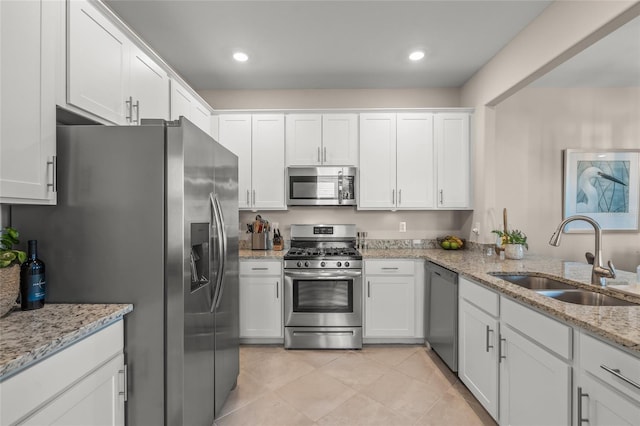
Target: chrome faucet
{"x": 599, "y": 273}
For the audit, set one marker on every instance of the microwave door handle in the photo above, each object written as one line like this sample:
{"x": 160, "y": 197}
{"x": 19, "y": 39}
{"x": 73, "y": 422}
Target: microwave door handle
{"x": 340, "y": 187}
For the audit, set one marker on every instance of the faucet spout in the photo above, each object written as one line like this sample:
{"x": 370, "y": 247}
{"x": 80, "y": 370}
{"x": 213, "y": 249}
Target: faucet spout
{"x": 599, "y": 273}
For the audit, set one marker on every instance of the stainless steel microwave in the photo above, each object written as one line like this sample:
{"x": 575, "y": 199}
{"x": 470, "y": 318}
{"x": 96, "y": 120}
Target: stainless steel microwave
{"x": 321, "y": 186}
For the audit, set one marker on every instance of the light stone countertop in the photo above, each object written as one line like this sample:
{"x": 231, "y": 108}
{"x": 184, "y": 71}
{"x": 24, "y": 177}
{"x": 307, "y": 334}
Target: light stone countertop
{"x": 29, "y": 336}
{"x": 262, "y": 254}
{"x": 619, "y": 324}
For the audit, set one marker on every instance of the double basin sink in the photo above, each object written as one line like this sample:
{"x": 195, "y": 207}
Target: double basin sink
{"x": 562, "y": 291}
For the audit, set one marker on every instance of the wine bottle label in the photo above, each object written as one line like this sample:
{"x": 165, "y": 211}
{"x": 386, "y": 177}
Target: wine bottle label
{"x": 36, "y": 288}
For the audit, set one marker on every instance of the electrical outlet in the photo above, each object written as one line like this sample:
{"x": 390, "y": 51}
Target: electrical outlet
{"x": 403, "y": 226}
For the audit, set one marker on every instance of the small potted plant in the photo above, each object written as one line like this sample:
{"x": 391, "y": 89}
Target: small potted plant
{"x": 10, "y": 261}
{"x": 514, "y": 243}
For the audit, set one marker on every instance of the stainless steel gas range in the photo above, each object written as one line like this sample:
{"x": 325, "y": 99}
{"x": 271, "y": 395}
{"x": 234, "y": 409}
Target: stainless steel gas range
{"x": 323, "y": 288}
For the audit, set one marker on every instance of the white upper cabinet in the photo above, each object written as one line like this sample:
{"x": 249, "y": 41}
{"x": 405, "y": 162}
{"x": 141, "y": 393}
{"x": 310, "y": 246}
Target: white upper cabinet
{"x": 184, "y": 104}
{"x": 452, "y": 145}
{"x": 415, "y": 160}
{"x": 27, "y": 104}
{"x": 396, "y": 161}
{"x": 149, "y": 87}
{"x": 258, "y": 141}
{"x": 98, "y": 64}
{"x": 322, "y": 139}
{"x": 377, "y": 161}
{"x": 267, "y": 162}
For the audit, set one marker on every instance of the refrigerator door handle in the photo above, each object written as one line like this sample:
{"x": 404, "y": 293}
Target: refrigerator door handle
{"x": 216, "y": 261}
{"x": 223, "y": 252}
{"x": 218, "y": 223}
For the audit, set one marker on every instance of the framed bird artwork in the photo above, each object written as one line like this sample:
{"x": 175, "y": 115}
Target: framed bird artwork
{"x": 603, "y": 185}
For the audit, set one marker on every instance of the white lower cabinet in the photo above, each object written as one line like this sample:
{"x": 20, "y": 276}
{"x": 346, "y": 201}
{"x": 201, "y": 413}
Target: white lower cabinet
{"x": 393, "y": 299}
{"x": 608, "y": 384}
{"x": 261, "y": 301}
{"x": 535, "y": 386}
{"x": 478, "y": 343}
{"x": 84, "y": 384}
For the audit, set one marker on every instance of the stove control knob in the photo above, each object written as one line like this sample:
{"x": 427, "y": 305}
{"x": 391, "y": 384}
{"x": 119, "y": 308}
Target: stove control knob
{"x": 299, "y": 264}
{"x": 346, "y": 264}
{"x": 323, "y": 264}
{"x": 306, "y": 264}
{"x": 339, "y": 264}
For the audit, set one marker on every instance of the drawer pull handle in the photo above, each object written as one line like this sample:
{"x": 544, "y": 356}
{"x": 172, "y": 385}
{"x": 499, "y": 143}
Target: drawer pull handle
{"x": 259, "y": 269}
{"x": 616, "y": 372}
{"x": 580, "y": 396}
{"x": 488, "y": 345}
{"x": 390, "y": 269}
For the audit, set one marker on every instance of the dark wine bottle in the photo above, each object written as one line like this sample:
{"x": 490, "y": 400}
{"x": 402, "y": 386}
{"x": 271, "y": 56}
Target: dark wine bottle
{"x": 32, "y": 280}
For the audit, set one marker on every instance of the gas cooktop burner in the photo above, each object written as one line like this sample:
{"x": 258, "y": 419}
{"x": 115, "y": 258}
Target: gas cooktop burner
{"x": 310, "y": 252}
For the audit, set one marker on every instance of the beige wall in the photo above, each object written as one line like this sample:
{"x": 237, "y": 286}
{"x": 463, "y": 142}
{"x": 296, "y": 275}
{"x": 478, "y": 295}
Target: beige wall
{"x": 532, "y": 129}
{"x": 321, "y": 99}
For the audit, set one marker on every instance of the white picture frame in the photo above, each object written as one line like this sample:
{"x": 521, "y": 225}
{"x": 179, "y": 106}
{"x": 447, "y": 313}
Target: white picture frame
{"x": 604, "y": 185}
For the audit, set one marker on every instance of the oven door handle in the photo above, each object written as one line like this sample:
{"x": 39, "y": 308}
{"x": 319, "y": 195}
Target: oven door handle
{"x": 320, "y": 275}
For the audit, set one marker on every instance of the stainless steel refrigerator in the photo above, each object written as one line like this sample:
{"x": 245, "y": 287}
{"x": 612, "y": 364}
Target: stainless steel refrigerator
{"x": 148, "y": 215}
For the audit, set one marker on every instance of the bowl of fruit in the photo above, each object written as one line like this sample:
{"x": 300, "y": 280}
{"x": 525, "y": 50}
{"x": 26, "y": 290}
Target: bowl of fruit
{"x": 451, "y": 242}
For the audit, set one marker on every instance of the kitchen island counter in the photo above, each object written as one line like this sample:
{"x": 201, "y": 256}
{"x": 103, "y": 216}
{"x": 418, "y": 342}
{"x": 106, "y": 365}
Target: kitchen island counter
{"x": 29, "y": 336}
{"x": 619, "y": 324}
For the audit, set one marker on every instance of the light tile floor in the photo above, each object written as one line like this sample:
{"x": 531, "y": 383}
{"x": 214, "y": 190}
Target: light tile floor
{"x": 378, "y": 385}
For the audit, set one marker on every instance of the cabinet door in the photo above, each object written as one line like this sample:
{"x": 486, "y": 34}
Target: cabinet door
{"x": 535, "y": 386}
{"x": 267, "y": 162}
{"x": 27, "y": 104}
{"x": 181, "y": 101}
{"x": 478, "y": 355}
{"x": 149, "y": 87}
{"x": 340, "y": 139}
{"x": 98, "y": 399}
{"x": 452, "y": 145}
{"x": 304, "y": 139}
{"x": 261, "y": 306}
{"x": 98, "y": 64}
{"x": 600, "y": 405}
{"x": 389, "y": 306}
{"x": 377, "y": 161}
{"x": 201, "y": 117}
{"x": 235, "y": 134}
{"x": 415, "y": 161}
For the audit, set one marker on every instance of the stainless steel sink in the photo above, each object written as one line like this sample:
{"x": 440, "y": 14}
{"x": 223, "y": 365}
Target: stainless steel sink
{"x": 562, "y": 291}
{"x": 585, "y": 297}
{"x": 533, "y": 282}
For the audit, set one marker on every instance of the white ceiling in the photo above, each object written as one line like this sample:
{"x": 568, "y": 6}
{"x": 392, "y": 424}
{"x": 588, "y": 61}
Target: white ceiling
{"x": 337, "y": 44}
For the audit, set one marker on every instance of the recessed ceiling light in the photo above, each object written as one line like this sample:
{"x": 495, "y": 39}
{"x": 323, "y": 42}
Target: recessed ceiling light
{"x": 241, "y": 57}
{"x": 417, "y": 55}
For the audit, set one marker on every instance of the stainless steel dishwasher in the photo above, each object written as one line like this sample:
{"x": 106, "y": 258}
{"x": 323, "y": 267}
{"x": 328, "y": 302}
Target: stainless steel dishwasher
{"x": 441, "y": 317}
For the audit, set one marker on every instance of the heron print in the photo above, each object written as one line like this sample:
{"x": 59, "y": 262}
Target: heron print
{"x": 603, "y": 187}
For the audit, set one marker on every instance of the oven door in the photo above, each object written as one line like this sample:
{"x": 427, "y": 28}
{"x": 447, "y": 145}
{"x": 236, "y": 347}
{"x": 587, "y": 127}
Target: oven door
{"x": 323, "y": 298}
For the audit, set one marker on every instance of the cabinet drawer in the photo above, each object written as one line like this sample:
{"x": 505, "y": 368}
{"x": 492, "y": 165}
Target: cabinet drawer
{"x": 547, "y": 332}
{"x": 480, "y": 296}
{"x": 596, "y": 355}
{"x": 260, "y": 268}
{"x": 389, "y": 267}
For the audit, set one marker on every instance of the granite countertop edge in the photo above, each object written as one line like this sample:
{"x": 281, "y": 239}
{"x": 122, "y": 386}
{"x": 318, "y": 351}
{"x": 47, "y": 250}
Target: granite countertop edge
{"x": 618, "y": 324}
{"x": 27, "y": 337}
